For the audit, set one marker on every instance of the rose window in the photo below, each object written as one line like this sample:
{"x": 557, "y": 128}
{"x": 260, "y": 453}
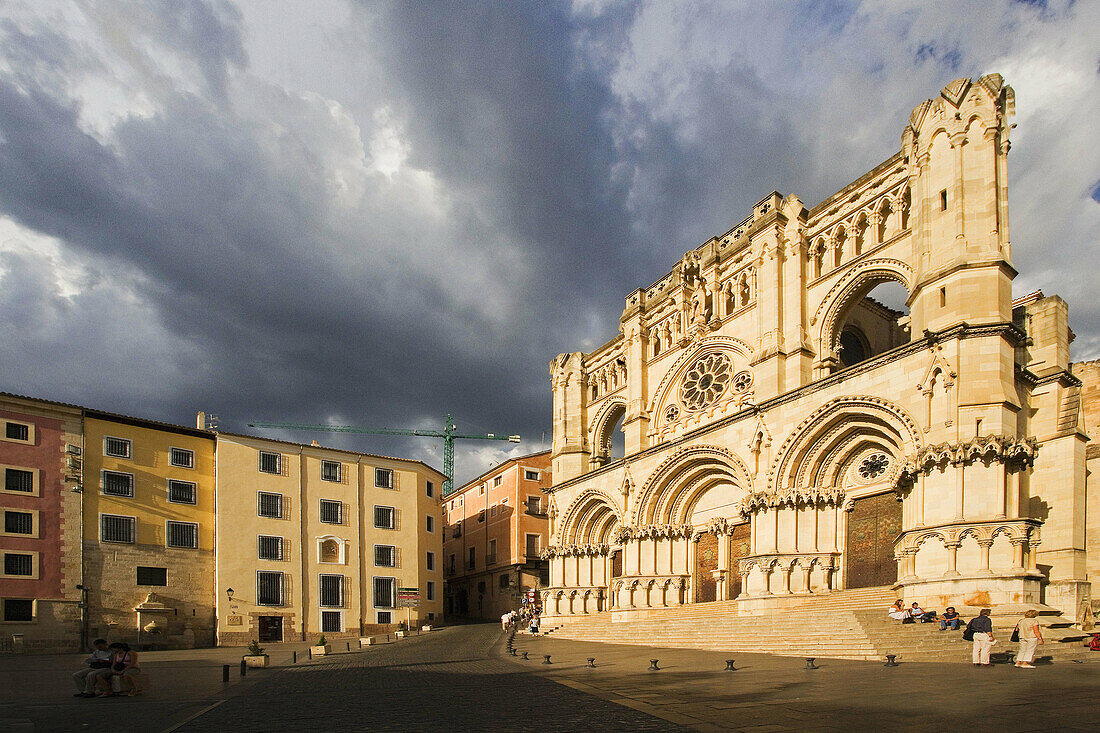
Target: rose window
{"x": 742, "y": 381}
{"x": 706, "y": 381}
{"x": 873, "y": 466}
{"x": 671, "y": 413}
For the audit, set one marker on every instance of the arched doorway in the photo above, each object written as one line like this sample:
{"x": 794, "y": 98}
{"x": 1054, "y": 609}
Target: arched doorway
{"x": 706, "y": 562}
{"x": 739, "y": 547}
{"x": 873, "y": 526}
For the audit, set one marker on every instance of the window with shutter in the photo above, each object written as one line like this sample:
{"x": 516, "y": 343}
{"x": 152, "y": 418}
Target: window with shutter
{"x": 270, "y": 505}
{"x": 16, "y": 479}
{"x": 270, "y": 548}
{"x": 118, "y": 484}
{"x": 182, "y": 492}
{"x": 385, "y": 556}
{"x": 113, "y": 528}
{"x": 181, "y": 457}
{"x": 330, "y": 471}
{"x": 269, "y": 588}
{"x": 384, "y": 592}
{"x": 18, "y": 563}
{"x": 385, "y": 517}
{"x": 332, "y": 512}
{"x": 18, "y": 522}
{"x": 332, "y": 591}
{"x": 383, "y": 478}
{"x": 182, "y": 534}
{"x": 117, "y": 447}
{"x": 270, "y": 462}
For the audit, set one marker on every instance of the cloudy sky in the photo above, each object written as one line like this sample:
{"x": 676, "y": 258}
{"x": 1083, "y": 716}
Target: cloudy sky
{"x": 374, "y": 213}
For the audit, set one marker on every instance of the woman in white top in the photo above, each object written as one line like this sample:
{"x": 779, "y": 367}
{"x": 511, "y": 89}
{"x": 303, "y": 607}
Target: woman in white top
{"x": 1030, "y": 639}
{"x": 898, "y": 611}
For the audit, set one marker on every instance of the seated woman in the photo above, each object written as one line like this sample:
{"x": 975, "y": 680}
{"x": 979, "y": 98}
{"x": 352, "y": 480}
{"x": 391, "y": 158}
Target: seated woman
{"x": 898, "y": 611}
{"x": 950, "y": 618}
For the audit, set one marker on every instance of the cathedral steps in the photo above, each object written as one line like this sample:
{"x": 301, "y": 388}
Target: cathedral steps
{"x": 844, "y": 624}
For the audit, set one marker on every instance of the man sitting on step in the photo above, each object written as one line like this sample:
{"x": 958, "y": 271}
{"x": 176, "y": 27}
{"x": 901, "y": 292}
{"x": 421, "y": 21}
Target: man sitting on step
{"x": 926, "y": 617}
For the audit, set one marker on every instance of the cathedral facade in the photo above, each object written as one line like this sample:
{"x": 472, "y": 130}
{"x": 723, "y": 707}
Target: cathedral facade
{"x": 788, "y": 436}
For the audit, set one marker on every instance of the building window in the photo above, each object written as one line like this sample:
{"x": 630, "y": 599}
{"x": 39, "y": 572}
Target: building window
{"x": 497, "y": 480}
{"x": 332, "y": 622}
{"x": 534, "y": 505}
{"x": 332, "y": 512}
{"x": 269, "y": 547}
{"x": 16, "y": 479}
{"x": 384, "y": 617}
{"x": 532, "y": 546}
{"x": 181, "y": 534}
{"x": 113, "y": 528}
{"x": 182, "y": 492}
{"x": 471, "y": 561}
{"x": 269, "y": 588}
{"x": 505, "y": 581}
{"x": 270, "y": 462}
{"x": 18, "y": 522}
{"x": 385, "y": 517}
{"x": 269, "y": 505}
{"x": 330, "y": 471}
{"x": 531, "y": 475}
{"x": 118, "y": 484}
{"x": 332, "y": 591}
{"x": 430, "y": 489}
{"x": 18, "y": 563}
{"x": 481, "y": 490}
{"x": 117, "y": 447}
{"x": 18, "y": 609}
{"x": 429, "y": 591}
{"x": 430, "y": 561}
{"x": 385, "y": 592}
{"x": 17, "y": 431}
{"x": 429, "y": 523}
{"x": 383, "y": 478}
{"x": 491, "y": 557}
{"x": 152, "y": 576}
{"x": 385, "y": 556}
{"x": 493, "y": 510}
{"x": 181, "y": 457}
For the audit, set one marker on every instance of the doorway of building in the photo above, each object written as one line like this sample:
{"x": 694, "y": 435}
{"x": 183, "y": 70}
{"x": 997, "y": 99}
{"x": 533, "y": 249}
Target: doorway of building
{"x": 270, "y": 628}
{"x": 739, "y": 548}
{"x": 873, "y": 525}
{"x": 706, "y": 561}
{"x": 617, "y": 564}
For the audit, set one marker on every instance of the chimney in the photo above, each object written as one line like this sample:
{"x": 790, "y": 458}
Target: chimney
{"x": 200, "y": 420}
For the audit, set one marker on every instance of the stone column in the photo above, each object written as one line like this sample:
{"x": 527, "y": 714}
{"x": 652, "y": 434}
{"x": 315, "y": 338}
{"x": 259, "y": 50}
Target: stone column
{"x": 952, "y": 558}
{"x": 957, "y": 141}
{"x": 983, "y": 556}
{"x": 1018, "y": 554}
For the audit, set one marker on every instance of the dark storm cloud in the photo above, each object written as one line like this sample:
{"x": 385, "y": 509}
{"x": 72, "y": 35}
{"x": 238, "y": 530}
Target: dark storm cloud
{"x": 231, "y": 241}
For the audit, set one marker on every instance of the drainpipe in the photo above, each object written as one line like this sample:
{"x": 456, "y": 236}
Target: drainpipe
{"x": 304, "y": 535}
{"x": 361, "y": 571}
{"x": 84, "y": 620}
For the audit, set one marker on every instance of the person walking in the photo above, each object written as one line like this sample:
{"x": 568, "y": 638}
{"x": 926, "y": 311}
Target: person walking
{"x": 1030, "y": 639}
{"x": 980, "y": 629}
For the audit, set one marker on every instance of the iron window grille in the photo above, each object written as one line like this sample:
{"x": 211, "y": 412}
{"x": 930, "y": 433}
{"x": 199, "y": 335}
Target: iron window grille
{"x": 113, "y": 528}
{"x": 331, "y": 622}
{"x": 269, "y": 505}
{"x": 16, "y": 563}
{"x": 181, "y": 457}
{"x": 182, "y": 534}
{"x": 270, "y": 462}
{"x": 18, "y": 522}
{"x": 332, "y": 512}
{"x": 117, "y": 447}
{"x": 385, "y": 592}
{"x": 332, "y": 591}
{"x": 118, "y": 484}
{"x": 383, "y": 478}
{"x": 152, "y": 576}
{"x": 17, "y": 431}
{"x": 384, "y": 617}
{"x": 385, "y": 556}
{"x": 182, "y": 492}
{"x": 16, "y": 479}
{"x": 385, "y": 517}
{"x": 269, "y": 548}
{"x": 269, "y": 588}
{"x": 330, "y": 471}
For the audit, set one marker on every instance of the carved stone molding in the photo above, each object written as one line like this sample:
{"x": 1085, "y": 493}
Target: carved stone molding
{"x": 553, "y": 551}
{"x": 1018, "y": 531}
{"x": 1010, "y": 450}
{"x": 759, "y": 501}
{"x": 652, "y": 532}
{"x": 787, "y": 561}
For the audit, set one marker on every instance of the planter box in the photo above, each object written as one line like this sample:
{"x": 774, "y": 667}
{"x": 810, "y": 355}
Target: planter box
{"x": 254, "y": 660}
{"x": 320, "y": 651}
{"x": 425, "y": 628}
{"x": 400, "y": 634}
{"x": 365, "y": 641}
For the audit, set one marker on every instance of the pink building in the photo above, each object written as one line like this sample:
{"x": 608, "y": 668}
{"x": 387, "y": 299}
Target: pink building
{"x": 40, "y": 503}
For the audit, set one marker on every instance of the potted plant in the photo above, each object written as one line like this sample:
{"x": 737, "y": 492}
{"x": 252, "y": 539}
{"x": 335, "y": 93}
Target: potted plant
{"x": 321, "y": 648}
{"x": 402, "y": 629}
{"x": 255, "y": 656}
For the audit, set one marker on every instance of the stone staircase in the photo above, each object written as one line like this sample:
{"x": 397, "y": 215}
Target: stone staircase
{"x": 848, "y": 624}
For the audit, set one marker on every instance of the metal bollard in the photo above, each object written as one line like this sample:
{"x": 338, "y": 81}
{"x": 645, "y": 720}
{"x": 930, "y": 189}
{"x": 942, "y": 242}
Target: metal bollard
{"x": 810, "y": 663}
{"x": 890, "y": 661}
{"x": 244, "y": 668}
{"x": 310, "y": 650}
{"x": 294, "y": 657}
{"x": 348, "y": 646}
{"x": 729, "y": 666}
{"x": 591, "y": 661}
{"x": 546, "y": 659}
{"x": 225, "y": 673}
{"x": 653, "y": 665}
{"x": 525, "y": 655}
{"x": 512, "y": 651}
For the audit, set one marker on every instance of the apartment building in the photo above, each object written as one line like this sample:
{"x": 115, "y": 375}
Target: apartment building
{"x": 40, "y": 453}
{"x": 148, "y": 531}
{"x": 497, "y": 527}
{"x": 315, "y": 540}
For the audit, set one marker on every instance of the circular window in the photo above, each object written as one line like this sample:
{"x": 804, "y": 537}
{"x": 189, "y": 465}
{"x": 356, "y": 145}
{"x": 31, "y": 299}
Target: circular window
{"x": 873, "y": 466}
{"x": 742, "y": 381}
{"x": 706, "y": 380}
{"x": 671, "y": 413}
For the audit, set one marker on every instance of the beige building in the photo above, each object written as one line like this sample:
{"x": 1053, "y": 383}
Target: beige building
{"x": 315, "y": 540}
{"x": 496, "y": 528}
{"x": 788, "y": 436}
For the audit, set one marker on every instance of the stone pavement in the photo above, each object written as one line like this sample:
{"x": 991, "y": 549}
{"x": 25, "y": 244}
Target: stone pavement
{"x": 459, "y": 677}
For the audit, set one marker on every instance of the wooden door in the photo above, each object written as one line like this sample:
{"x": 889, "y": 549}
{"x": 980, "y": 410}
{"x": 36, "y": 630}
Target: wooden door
{"x": 706, "y": 560}
{"x": 873, "y": 525}
{"x": 617, "y": 564}
{"x": 270, "y": 628}
{"x": 739, "y": 548}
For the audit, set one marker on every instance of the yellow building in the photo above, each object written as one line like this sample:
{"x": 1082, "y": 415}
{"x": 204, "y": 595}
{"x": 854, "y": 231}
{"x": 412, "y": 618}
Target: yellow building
{"x": 148, "y": 530}
{"x": 316, "y": 540}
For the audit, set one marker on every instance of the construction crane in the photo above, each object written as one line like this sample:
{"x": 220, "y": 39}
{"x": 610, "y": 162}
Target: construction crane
{"x": 447, "y": 433}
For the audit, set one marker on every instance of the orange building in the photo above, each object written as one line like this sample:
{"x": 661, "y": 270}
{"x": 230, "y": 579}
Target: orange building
{"x": 496, "y": 526}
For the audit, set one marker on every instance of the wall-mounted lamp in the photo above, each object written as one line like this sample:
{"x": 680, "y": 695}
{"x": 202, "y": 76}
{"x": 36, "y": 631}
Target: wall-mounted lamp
{"x": 229, "y": 592}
